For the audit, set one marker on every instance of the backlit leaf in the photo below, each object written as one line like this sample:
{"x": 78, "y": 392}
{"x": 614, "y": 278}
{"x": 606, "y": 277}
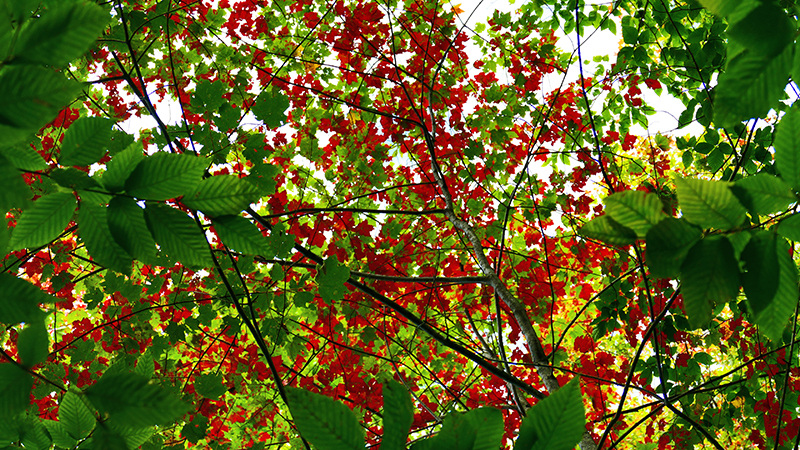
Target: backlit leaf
{"x": 636, "y": 210}
{"x": 667, "y": 245}
{"x": 764, "y": 194}
{"x": 94, "y": 230}
{"x": 331, "y": 278}
{"x": 773, "y": 317}
{"x": 608, "y": 230}
{"x": 132, "y": 399}
{"x": 210, "y": 386}
{"x": 709, "y": 276}
{"x": 270, "y": 108}
{"x": 15, "y": 390}
{"x": 33, "y": 343}
{"x": 241, "y": 235}
{"x": 75, "y": 415}
{"x": 556, "y": 422}
{"x": 43, "y": 221}
{"x": 709, "y": 204}
{"x": 165, "y": 175}
{"x": 64, "y": 33}
{"x": 787, "y": 147}
{"x": 398, "y": 415}
{"x": 221, "y": 195}
{"x": 326, "y": 423}
{"x": 86, "y": 141}
{"x": 129, "y": 229}
{"x": 177, "y": 235}
{"x": 21, "y": 300}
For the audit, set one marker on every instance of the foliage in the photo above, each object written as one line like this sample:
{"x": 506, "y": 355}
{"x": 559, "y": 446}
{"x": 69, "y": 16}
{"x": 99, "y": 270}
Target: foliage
{"x": 266, "y": 224}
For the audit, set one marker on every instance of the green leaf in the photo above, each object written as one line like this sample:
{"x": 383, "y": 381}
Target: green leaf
{"x": 789, "y": 227}
{"x": 637, "y": 210}
{"x": 120, "y": 167}
{"x": 196, "y": 429}
{"x": 43, "y": 221}
{"x": 772, "y": 318}
{"x": 331, "y": 278}
{"x": 73, "y": 179}
{"x": 165, "y": 175}
{"x": 20, "y": 300}
{"x": 32, "y": 96}
{"x": 398, "y": 416}
{"x": 210, "y": 386}
{"x": 752, "y": 85}
{"x": 105, "y": 439}
{"x": 764, "y": 194}
{"x": 326, "y": 423}
{"x": 709, "y": 276}
{"x": 221, "y": 195}
{"x": 15, "y": 390}
{"x": 61, "y": 34}
{"x": 710, "y": 204}
{"x": 556, "y": 422}
{"x": 787, "y": 147}
{"x": 270, "y": 108}
{"x": 608, "y": 230}
{"x": 145, "y": 365}
{"x": 75, "y": 415}
{"x": 24, "y": 157}
{"x": 33, "y": 343}
{"x": 14, "y": 193}
{"x": 94, "y": 230}
{"x": 667, "y": 245}
{"x": 241, "y": 235}
{"x": 85, "y": 142}
{"x": 129, "y": 229}
{"x": 724, "y": 8}
{"x": 760, "y": 278}
{"x": 177, "y": 235}
{"x": 766, "y": 30}
{"x": 58, "y": 432}
{"x": 478, "y": 429}
{"x": 131, "y": 399}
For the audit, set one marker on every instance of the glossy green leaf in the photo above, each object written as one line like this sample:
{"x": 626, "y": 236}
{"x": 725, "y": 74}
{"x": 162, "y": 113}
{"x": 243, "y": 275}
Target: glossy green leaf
{"x": 94, "y": 230}
{"x": 210, "y": 386}
{"x": 478, "y": 429}
{"x": 331, "y": 278}
{"x": 270, "y": 108}
{"x": 15, "y": 390}
{"x": 324, "y": 422}
{"x": 43, "y": 221}
{"x": 129, "y": 229}
{"x": 773, "y": 317}
{"x": 64, "y": 32}
{"x": 608, "y": 230}
{"x": 709, "y": 276}
{"x": 165, "y": 175}
{"x": 637, "y": 210}
{"x": 398, "y": 416}
{"x": 58, "y": 432}
{"x": 33, "y": 343}
{"x": 32, "y": 96}
{"x": 133, "y": 400}
{"x": 710, "y": 204}
{"x": 177, "y": 235}
{"x": 75, "y": 415}
{"x": 20, "y": 300}
{"x": 241, "y": 235}
{"x": 764, "y": 194}
{"x": 555, "y": 423}
{"x": 752, "y": 85}
{"x": 86, "y": 141}
{"x": 667, "y": 245}
{"x": 221, "y": 195}
{"x": 120, "y": 167}
{"x": 787, "y": 147}
{"x": 789, "y": 227}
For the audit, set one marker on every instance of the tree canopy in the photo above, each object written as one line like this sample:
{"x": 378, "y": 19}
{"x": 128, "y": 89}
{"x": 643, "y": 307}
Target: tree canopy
{"x": 344, "y": 224}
